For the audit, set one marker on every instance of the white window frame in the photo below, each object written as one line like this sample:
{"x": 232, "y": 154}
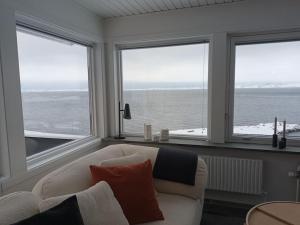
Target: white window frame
{"x": 252, "y": 38}
{"x": 152, "y": 44}
{"x": 58, "y": 151}
{"x": 4, "y": 155}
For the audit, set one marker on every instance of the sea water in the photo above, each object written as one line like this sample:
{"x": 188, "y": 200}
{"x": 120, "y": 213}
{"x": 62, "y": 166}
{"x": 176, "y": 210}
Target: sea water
{"x": 67, "y": 112}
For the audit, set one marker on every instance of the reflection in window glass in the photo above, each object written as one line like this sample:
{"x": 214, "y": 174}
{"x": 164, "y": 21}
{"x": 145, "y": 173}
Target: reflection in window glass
{"x": 54, "y": 86}
{"x": 167, "y": 88}
{"x": 267, "y": 84}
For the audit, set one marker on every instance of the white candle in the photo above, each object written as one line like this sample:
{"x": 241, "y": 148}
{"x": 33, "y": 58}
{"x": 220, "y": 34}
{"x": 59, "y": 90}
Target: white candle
{"x": 284, "y": 126}
{"x": 164, "y": 134}
{"x": 147, "y": 132}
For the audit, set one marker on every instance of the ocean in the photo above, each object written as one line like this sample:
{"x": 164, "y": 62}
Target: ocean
{"x": 57, "y": 112}
{"x": 67, "y": 112}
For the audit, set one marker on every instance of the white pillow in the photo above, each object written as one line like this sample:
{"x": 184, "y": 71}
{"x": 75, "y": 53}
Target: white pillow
{"x": 125, "y": 160}
{"x": 97, "y": 205}
{"x": 18, "y": 206}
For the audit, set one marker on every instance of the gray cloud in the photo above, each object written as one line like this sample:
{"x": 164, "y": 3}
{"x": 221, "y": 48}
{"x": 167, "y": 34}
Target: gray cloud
{"x": 47, "y": 64}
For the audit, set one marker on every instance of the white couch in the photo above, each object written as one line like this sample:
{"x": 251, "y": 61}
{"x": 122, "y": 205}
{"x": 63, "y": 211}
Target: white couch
{"x": 181, "y": 204}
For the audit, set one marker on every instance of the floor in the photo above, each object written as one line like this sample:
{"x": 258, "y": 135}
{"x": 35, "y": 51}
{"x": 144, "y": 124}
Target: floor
{"x": 224, "y": 213}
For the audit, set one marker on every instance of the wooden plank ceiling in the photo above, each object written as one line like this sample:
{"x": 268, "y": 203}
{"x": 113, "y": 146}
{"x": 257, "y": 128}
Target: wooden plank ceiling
{"x": 117, "y": 8}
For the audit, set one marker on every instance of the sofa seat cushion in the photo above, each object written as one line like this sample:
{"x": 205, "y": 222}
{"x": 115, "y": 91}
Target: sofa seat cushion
{"x": 178, "y": 210}
{"x": 18, "y": 206}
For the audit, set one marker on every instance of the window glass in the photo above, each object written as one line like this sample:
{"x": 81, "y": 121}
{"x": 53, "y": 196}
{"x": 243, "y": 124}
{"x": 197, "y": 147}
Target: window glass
{"x": 167, "y": 88}
{"x": 55, "y": 90}
{"x": 267, "y": 84}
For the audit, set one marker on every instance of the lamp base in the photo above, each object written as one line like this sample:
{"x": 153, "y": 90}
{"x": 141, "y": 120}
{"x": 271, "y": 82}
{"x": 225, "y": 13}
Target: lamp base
{"x": 119, "y": 137}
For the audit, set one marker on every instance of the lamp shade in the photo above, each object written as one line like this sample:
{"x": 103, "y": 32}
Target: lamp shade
{"x": 127, "y": 114}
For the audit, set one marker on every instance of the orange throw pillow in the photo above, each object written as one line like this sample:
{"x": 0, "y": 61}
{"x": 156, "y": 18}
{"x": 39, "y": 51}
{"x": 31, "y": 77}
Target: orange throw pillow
{"x": 134, "y": 189}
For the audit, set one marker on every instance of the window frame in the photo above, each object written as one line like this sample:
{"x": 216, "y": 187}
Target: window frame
{"x": 244, "y": 39}
{"x": 44, "y": 156}
{"x": 4, "y": 154}
{"x": 156, "y": 44}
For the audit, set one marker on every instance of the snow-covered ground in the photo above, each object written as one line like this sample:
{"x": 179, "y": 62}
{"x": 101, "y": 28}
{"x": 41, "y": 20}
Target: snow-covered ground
{"x": 260, "y": 129}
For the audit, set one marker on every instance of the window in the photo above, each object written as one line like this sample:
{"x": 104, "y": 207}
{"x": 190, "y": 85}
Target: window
{"x": 167, "y": 88}
{"x": 55, "y": 90}
{"x": 267, "y": 84}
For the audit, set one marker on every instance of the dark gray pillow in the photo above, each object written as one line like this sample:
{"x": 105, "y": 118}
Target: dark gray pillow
{"x": 176, "y": 165}
{"x": 66, "y": 213}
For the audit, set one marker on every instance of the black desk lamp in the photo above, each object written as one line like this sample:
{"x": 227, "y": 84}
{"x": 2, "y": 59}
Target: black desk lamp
{"x": 126, "y": 115}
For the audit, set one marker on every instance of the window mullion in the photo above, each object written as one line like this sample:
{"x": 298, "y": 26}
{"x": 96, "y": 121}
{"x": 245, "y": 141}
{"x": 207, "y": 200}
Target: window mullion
{"x": 230, "y": 92}
{"x": 216, "y": 88}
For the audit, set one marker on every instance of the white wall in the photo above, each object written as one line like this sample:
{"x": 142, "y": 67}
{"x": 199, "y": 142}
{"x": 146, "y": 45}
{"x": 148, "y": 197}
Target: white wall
{"x": 63, "y": 16}
{"x": 217, "y": 22}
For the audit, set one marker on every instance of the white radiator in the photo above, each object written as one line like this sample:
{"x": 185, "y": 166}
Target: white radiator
{"x": 234, "y": 174}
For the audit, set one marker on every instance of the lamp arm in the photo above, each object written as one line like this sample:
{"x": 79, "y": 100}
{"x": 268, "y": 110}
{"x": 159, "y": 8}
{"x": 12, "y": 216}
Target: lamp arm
{"x": 119, "y": 119}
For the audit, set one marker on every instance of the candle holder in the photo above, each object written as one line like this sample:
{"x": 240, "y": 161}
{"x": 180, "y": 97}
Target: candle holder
{"x": 282, "y": 143}
{"x": 275, "y": 136}
{"x": 275, "y": 140}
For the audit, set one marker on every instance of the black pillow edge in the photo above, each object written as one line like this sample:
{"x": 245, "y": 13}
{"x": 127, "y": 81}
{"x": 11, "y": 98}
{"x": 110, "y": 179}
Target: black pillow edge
{"x": 67, "y": 212}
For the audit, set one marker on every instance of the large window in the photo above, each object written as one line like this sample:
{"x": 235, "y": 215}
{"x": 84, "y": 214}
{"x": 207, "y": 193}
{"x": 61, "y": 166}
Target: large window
{"x": 267, "y": 84}
{"x": 55, "y": 90}
{"x": 167, "y": 88}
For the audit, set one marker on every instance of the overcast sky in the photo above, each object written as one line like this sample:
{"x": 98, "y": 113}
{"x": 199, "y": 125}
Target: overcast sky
{"x": 53, "y": 65}
{"x": 267, "y": 64}
{"x": 186, "y": 63}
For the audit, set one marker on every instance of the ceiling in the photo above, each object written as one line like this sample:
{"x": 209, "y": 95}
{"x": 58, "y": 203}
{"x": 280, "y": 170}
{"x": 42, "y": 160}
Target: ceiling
{"x": 117, "y": 8}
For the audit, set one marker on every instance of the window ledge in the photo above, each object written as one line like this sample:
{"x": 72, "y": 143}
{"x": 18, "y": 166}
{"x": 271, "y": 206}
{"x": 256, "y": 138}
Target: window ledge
{"x": 47, "y": 156}
{"x": 202, "y": 143}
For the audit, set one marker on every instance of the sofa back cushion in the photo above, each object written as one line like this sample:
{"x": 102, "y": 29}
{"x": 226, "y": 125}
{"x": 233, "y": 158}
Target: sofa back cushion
{"x": 125, "y": 160}
{"x": 73, "y": 177}
{"x": 76, "y": 177}
{"x": 18, "y": 206}
{"x": 164, "y": 186}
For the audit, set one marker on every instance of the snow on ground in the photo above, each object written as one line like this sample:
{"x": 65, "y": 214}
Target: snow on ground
{"x": 194, "y": 132}
{"x": 260, "y": 129}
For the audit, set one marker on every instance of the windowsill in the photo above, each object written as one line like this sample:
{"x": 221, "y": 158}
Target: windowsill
{"x": 202, "y": 143}
{"x": 33, "y": 134}
{"x": 50, "y": 155}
